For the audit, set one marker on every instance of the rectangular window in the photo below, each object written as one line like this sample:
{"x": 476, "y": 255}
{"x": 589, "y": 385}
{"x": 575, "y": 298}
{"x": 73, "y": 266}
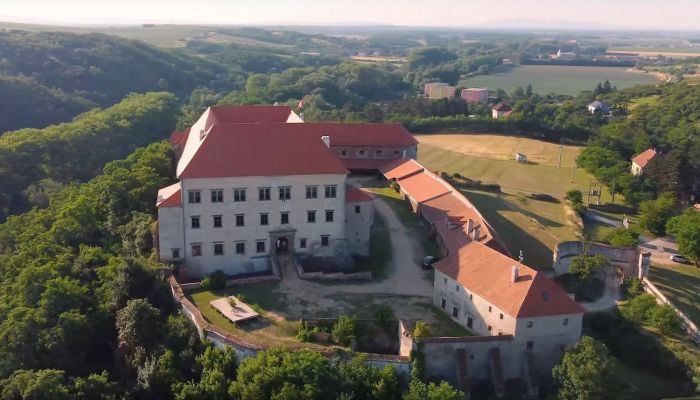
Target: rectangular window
{"x": 302, "y": 243}
{"x": 240, "y": 247}
{"x": 284, "y": 218}
{"x": 217, "y": 196}
{"x": 529, "y": 324}
{"x": 194, "y": 196}
{"x": 196, "y": 249}
{"x": 324, "y": 240}
{"x": 566, "y": 321}
{"x": 360, "y": 152}
{"x": 218, "y": 222}
{"x": 456, "y": 288}
{"x": 240, "y": 220}
{"x": 194, "y": 222}
{"x": 443, "y": 303}
{"x": 530, "y": 345}
{"x": 311, "y": 192}
{"x": 329, "y": 215}
{"x": 264, "y": 194}
{"x": 264, "y": 219}
{"x": 489, "y": 328}
{"x": 311, "y": 217}
{"x": 500, "y": 316}
{"x": 455, "y": 312}
{"x": 238, "y": 194}
{"x": 218, "y": 249}
{"x": 489, "y": 308}
{"x": 176, "y": 254}
{"x": 285, "y": 193}
{"x": 357, "y": 209}
{"x": 471, "y": 296}
{"x": 330, "y": 191}
{"x": 260, "y": 246}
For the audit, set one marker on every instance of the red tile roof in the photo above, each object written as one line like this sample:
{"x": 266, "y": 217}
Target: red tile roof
{"x": 169, "y": 196}
{"x": 643, "y": 159}
{"x": 502, "y": 107}
{"x": 487, "y": 273}
{"x": 401, "y": 168}
{"x": 251, "y": 114}
{"x": 424, "y": 186}
{"x": 355, "y": 195}
{"x": 179, "y": 138}
{"x": 366, "y": 135}
{"x": 261, "y": 150}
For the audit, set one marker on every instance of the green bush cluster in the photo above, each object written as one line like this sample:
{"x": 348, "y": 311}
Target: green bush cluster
{"x": 214, "y": 281}
{"x": 643, "y": 309}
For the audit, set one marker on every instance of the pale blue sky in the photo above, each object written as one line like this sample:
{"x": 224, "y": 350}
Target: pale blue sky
{"x": 635, "y": 14}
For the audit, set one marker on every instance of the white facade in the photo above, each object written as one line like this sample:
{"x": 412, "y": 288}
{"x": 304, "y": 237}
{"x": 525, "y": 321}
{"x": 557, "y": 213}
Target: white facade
{"x": 359, "y": 219}
{"x": 545, "y": 336}
{"x": 251, "y": 228}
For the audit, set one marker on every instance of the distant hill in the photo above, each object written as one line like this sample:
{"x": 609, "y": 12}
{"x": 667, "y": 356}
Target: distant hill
{"x": 51, "y": 76}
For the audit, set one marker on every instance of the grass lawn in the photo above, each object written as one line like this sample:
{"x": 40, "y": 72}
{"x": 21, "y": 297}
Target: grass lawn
{"x": 268, "y": 329}
{"x": 523, "y": 223}
{"x": 646, "y": 101}
{"x": 681, "y": 284}
{"x": 380, "y": 249}
{"x": 633, "y": 384}
{"x": 409, "y": 219}
{"x": 558, "y": 79}
{"x": 445, "y": 326}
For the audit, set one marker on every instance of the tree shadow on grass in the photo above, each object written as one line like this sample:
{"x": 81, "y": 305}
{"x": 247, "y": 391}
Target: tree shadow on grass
{"x": 515, "y": 238}
{"x": 683, "y": 290}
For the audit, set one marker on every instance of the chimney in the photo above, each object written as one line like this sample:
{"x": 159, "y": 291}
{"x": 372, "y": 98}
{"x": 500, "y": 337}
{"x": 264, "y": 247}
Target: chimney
{"x": 202, "y": 134}
{"x": 477, "y": 234}
{"x": 514, "y": 274}
{"x": 326, "y": 140}
{"x": 470, "y": 225}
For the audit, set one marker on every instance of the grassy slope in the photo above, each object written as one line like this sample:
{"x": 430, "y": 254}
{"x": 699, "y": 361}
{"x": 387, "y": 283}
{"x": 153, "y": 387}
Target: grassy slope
{"x": 558, "y": 79}
{"x": 681, "y": 283}
{"x": 523, "y": 223}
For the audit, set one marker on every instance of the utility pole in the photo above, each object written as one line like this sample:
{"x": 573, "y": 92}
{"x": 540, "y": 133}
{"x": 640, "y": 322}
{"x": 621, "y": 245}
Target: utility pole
{"x": 561, "y": 151}
{"x": 614, "y": 186}
{"x": 573, "y": 170}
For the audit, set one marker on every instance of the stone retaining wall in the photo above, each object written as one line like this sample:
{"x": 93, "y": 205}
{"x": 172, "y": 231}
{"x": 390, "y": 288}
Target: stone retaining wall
{"x": 631, "y": 261}
{"x": 333, "y": 276}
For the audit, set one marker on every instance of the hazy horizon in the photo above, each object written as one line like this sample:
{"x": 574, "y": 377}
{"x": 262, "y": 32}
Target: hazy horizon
{"x": 544, "y": 14}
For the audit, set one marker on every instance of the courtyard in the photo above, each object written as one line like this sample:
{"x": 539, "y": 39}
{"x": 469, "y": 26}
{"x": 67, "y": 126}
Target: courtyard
{"x": 401, "y": 285}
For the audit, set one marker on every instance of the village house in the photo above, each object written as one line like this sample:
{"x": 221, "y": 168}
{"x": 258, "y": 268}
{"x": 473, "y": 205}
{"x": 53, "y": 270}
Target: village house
{"x": 439, "y": 90}
{"x": 640, "y": 161}
{"x": 475, "y": 95}
{"x": 598, "y": 106}
{"x": 501, "y": 111}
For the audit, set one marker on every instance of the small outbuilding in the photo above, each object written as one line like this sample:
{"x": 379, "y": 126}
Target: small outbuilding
{"x": 598, "y": 106}
{"x": 501, "y": 111}
{"x": 233, "y": 309}
{"x": 521, "y": 158}
{"x": 640, "y": 161}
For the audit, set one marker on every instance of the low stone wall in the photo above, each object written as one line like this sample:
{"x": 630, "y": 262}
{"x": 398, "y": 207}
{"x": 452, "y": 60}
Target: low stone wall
{"x": 440, "y": 355}
{"x": 244, "y": 349}
{"x": 688, "y": 326}
{"x": 232, "y": 282}
{"x": 333, "y": 276}
{"x": 632, "y": 261}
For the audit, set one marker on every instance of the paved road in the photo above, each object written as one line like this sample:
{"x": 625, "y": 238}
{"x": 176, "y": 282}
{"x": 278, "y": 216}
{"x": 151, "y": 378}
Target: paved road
{"x": 660, "y": 248}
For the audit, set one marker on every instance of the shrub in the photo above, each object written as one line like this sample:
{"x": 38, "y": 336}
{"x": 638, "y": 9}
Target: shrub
{"x": 632, "y": 287}
{"x": 214, "y": 281}
{"x": 664, "y": 318}
{"x": 639, "y": 308}
{"x": 344, "y": 330}
{"x": 305, "y": 334}
{"x": 574, "y": 196}
{"x": 421, "y": 330}
{"x": 623, "y": 237}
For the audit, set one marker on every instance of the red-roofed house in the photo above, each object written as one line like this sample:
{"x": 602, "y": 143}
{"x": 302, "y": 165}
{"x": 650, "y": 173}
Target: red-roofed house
{"x": 501, "y": 111}
{"x": 640, "y": 161}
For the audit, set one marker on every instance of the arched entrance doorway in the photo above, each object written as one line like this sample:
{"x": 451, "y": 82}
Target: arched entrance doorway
{"x": 282, "y": 245}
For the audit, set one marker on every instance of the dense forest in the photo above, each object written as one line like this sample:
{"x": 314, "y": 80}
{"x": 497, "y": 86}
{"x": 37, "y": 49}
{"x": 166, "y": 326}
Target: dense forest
{"x": 48, "y": 77}
{"x": 36, "y": 161}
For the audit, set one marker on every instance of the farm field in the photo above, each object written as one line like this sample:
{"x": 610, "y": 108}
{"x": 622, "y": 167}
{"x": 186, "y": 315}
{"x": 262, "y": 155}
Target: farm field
{"x": 524, "y": 223}
{"x": 558, "y": 79}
